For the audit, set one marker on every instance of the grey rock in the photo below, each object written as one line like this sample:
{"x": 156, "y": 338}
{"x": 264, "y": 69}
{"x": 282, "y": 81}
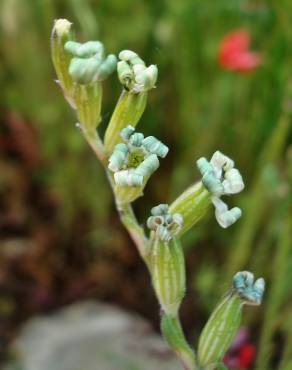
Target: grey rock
{"x": 90, "y": 336}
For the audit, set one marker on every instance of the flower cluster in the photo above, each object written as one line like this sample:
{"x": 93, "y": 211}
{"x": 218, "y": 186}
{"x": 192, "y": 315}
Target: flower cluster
{"x": 220, "y": 178}
{"x": 134, "y": 160}
{"x": 250, "y": 291}
{"x": 164, "y": 224}
{"x": 89, "y": 63}
{"x": 133, "y": 73}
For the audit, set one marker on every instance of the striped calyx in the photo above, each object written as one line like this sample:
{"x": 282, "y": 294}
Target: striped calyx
{"x": 221, "y": 178}
{"x": 167, "y": 268}
{"x": 167, "y": 260}
{"x": 137, "y": 80}
{"x": 134, "y": 161}
{"x": 61, "y": 34}
{"x": 192, "y": 204}
{"x": 221, "y": 328}
{"x": 89, "y": 63}
{"x": 133, "y": 73}
{"x": 80, "y": 68}
{"x": 164, "y": 225}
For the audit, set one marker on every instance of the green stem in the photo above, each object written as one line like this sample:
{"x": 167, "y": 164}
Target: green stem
{"x": 136, "y": 232}
{"x": 96, "y": 145}
{"x": 174, "y": 335}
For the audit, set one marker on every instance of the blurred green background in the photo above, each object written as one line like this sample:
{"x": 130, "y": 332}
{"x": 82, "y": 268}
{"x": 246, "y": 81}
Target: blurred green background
{"x": 61, "y": 240}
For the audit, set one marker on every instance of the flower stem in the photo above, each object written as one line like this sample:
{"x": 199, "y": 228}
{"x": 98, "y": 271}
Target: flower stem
{"x": 136, "y": 232}
{"x": 173, "y": 334}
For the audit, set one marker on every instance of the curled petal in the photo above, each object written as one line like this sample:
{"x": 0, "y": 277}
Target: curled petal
{"x": 154, "y": 221}
{"x": 154, "y": 146}
{"x": 249, "y": 291}
{"x": 117, "y": 159}
{"x": 146, "y": 79}
{"x": 130, "y": 56}
{"x": 212, "y": 183}
{"x": 161, "y": 209}
{"x": 204, "y": 166}
{"x": 106, "y": 68}
{"x": 128, "y": 178}
{"x": 148, "y": 166}
{"x": 72, "y": 47}
{"x": 127, "y": 132}
{"x": 224, "y": 216}
{"x": 233, "y": 182}
{"x": 91, "y": 48}
{"x": 84, "y": 70}
{"x": 136, "y": 139}
{"x": 125, "y": 73}
{"x": 220, "y": 162}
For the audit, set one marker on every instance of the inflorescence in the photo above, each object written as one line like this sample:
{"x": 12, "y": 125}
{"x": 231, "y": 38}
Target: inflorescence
{"x": 221, "y": 178}
{"x": 134, "y": 160}
{"x": 164, "y": 224}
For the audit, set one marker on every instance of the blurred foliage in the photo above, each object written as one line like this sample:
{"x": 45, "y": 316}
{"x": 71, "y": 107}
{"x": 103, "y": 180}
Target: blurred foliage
{"x": 61, "y": 237}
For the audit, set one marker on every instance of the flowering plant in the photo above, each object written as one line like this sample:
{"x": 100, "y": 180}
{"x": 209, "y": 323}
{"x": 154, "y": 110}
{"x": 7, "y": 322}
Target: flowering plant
{"x": 129, "y": 159}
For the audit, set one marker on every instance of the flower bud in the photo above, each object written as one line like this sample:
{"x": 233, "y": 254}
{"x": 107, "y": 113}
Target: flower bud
{"x": 88, "y": 64}
{"x": 164, "y": 224}
{"x": 137, "y": 80}
{"x": 61, "y": 34}
{"x": 219, "y": 177}
{"x": 83, "y": 70}
{"x": 80, "y": 68}
{"x": 221, "y": 328}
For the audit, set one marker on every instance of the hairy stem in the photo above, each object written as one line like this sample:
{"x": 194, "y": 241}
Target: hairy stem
{"x": 136, "y": 232}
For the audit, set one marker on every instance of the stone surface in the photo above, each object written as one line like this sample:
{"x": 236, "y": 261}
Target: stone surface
{"x": 91, "y": 336}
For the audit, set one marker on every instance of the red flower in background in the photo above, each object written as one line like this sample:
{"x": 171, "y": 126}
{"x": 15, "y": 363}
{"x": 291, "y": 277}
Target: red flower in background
{"x": 234, "y": 53}
{"x": 242, "y": 353}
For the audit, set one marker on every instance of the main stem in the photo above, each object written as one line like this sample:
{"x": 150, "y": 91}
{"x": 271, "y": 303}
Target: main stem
{"x": 128, "y": 219}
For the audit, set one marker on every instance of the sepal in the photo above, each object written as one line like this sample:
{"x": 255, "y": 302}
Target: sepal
{"x": 137, "y": 80}
{"x": 61, "y": 34}
{"x": 220, "y": 330}
{"x": 167, "y": 268}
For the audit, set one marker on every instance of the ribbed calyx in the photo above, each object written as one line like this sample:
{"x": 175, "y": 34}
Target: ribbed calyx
{"x": 89, "y": 63}
{"x": 137, "y": 80}
{"x": 61, "y": 34}
{"x": 80, "y": 68}
{"x": 221, "y": 178}
{"x": 134, "y": 160}
{"x": 167, "y": 264}
{"x": 220, "y": 330}
{"x": 133, "y": 73}
{"x": 164, "y": 225}
{"x": 167, "y": 267}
